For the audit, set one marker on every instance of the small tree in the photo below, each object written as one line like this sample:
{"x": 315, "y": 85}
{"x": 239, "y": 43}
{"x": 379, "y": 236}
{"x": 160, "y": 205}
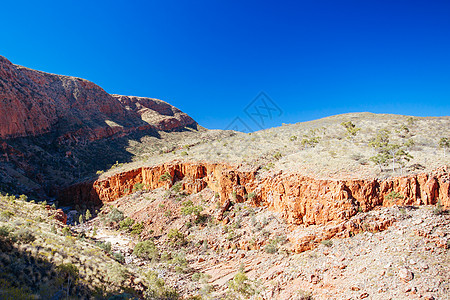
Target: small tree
{"x": 70, "y": 273}
{"x": 240, "y": 285}
{"x": 80, "y": 219}
{"x": 165, "y": 177}
{"x": 444, "y": 143}
{"x": 352, "y": 130}
{"x": 88, "y": 215}
{"x": 146, "y": 249}
{"x": 386, "y": 151}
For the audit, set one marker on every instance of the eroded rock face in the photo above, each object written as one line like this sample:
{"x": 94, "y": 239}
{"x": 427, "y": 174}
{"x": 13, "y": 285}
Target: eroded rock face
{"x": 330, "y": 205}
{"x": 300, "y": 199}
{"x": 34, "y": 102}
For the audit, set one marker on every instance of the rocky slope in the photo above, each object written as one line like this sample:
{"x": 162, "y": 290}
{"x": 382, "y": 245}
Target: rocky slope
{"x": 34, "y": 102}
{"x": 55, "y": 129}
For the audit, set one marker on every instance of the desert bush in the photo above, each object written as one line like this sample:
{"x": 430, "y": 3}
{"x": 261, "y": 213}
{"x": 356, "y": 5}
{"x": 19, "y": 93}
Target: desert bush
{"x": 189, "y": 208}
{"x": 277, "y": 155}
{"x": 4, "y": 231}
{"x": 66, "y": 231}
{"x": 118, "y": 274}
{"x": 138, "y": 186}
{"x": 180, "y": 263}
{"x": 70, "y": 274}
{"x": 157, "y": 288}
{"x": 351, "y": 128}
{"x": 6, "y": 215}
{"x": 438, "y": 209}
{"x": 241, "y": 285}
{"x": 271, "y": 248}
{"x": 176, "y": 237}
{"x": 165, "y": 177}
{"x": 114, "y": 216}
{"x": 146, "y": 250}
{"x": 119, "y": 257}
{"x": 105, "y": 246}
{"x": 24, "y": 235}
{"x": 137, "y": 228}
{"x": 176, "y": 187}
{"x": 393, "y": 195}
{"x": 126, "y": 224}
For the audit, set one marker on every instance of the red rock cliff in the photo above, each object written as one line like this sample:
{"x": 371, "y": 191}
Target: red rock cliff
{"x": 34, "y": 102}
{"x": 300, "y": 199}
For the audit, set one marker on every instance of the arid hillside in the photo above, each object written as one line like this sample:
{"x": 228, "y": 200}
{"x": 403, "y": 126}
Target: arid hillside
{"x": 55, "y": 130}
{"x": 137, "y": 201}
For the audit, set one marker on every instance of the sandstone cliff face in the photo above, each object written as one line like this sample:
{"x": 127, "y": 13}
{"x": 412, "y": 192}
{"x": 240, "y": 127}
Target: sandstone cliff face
{"x": 34, "y": 102}
{"x": 329, "y": 207}
{"x": 300, "y": 199}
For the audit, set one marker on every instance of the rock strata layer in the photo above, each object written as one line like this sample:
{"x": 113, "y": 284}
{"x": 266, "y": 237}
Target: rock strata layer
{"x": 301, "y": 200}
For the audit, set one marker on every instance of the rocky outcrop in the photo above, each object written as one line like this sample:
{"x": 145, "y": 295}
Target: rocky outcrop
{"x": 156, "y": 113}
{"x": 300, "y": 199}
{"x": 328, "y": 208}
{"x": 34, "y": 102}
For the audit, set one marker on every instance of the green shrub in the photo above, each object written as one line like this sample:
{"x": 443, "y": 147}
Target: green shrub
{"x": 105, "y": 246}
{"x": 439, "y": 209}
{"x": 119, "y": 257}
{"x": 176, "y": 237}
{"x": 138, "y": 186}
{"x": 115, "y": 216}
{"x": 137, "y": 228}
{"x": 165, "y": 177}
{"x": 271, "y": 247}
{"x": 394, "y": 195}
{"x": 66, "y": 231}
{"x": 240, "y": 285}
{"x": 277, "y": 155}
{"x": 126, "y": 224}
{"x": 157, "y": 288}
{"x": 180, "y": 263}
{"x": 146, "y": 250}
{"x": 189, "y": 208}
{"x": 177, "y": 187}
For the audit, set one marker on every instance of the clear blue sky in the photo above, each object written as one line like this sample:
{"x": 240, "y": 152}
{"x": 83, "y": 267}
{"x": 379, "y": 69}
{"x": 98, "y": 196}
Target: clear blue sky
{"x": 211, "y": 58}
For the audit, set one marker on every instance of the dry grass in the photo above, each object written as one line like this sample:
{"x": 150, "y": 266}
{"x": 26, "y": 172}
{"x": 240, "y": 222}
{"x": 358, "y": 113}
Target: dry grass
{"x": 34, "y": 248}
{"x": 289, "y": 148}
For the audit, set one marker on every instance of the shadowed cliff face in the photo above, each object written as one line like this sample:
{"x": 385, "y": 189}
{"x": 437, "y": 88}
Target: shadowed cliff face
{"x": 56, "y": 129}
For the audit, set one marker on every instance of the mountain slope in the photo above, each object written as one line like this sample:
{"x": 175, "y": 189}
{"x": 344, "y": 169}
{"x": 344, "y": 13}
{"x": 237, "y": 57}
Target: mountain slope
{"x": 57, "y": 129}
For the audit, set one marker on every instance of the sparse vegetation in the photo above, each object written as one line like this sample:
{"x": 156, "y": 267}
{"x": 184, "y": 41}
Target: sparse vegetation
{"x": 165, "y": 177}
{"x": 444, "y": 143}
{"x": 147, "y": 250}
{"x": 351, "y": 128}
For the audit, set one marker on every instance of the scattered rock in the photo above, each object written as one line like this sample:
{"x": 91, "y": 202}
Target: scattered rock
{"x": 405, "y": 275}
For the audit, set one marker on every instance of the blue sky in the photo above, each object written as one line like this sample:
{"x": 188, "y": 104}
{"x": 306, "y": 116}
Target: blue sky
{"x": 212, "y": 58}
